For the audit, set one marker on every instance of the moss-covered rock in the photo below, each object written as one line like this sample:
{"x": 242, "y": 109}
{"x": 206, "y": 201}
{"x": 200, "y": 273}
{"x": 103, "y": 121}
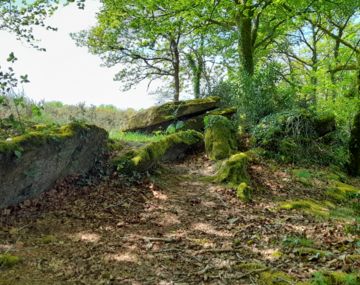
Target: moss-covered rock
{"x": 160, "y": 117}
{"x": 169, "y": 148}
{"x": 244, "y": 192}
{"x": 220, "y": 137}
{"x": 233, "y": 171}
{"x": 31, "y": 163}
{"x": 354, "y": 148}
{"x": 197, "y": 122}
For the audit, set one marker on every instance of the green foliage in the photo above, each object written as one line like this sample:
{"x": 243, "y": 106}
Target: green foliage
{"x": 353, "y": 229}
{"x": 335, "y": 278}
{"x": 8, "y": 260}
{"x": 8, "y": 78}
{"x": 258, "y": 96}
{"x": 296, "y": 241}
{"x": 174, "y": 127}
{"x": 225, "y": 90}
{"x": 297, "y": 136}
{"x": 18, "y": 112}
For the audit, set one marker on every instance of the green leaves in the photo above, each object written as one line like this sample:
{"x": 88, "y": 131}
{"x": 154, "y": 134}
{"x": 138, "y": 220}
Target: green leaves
{"x": 11, "y": 58}
{"x": 174, "y": 127}
{"x": 24, "y": 78}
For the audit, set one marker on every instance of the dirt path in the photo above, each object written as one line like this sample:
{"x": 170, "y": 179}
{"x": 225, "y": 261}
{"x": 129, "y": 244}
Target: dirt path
{"x": 173, "y": 229}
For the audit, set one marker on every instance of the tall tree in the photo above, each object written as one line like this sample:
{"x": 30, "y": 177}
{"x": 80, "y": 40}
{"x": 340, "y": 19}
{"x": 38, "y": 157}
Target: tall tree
{"x": 143, "y": 37}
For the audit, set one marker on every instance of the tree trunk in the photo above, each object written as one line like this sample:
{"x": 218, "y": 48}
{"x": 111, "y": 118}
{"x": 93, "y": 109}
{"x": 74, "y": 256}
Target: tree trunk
{"x": 314, "y": 61}
{"x": 358, "y": 75}
{"x": 245, "y": 46}
{"x": 196, "y": 70}
{"x": 176, "y": 65}
{"x": 245, "y": 39}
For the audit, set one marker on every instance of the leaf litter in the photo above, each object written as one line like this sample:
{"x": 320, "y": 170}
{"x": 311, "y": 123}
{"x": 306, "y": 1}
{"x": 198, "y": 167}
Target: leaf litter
{"x": 170, "y": 228}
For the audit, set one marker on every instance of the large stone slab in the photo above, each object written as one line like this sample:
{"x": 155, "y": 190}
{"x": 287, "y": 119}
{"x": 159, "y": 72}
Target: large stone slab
{"x": 197, "y": 122}
{"x": 160, "y": 117}
{"x": 30, "y": 164}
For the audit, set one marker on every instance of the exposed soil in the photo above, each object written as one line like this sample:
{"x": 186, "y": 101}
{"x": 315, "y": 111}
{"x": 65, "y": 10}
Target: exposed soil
{"x": 172, "y": 228}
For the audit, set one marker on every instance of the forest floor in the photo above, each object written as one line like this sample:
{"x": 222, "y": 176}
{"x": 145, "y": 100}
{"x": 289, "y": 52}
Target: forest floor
{"x": 174, "y": 228}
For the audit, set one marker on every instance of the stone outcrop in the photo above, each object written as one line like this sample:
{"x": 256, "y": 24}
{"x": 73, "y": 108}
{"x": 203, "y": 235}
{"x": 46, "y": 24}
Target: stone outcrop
{"x": 233, "y": 172}
{"x": 191, "y": 112}
{"x": 354, "y": 148}
{"x": 220, "y": 137}
{"x": 197, "y": 122}
{"x": 170, "y": 148}
{"x": 31, "y": 164}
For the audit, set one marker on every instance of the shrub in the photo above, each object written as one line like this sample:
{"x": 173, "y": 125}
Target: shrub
{"x": 301, "y": 136}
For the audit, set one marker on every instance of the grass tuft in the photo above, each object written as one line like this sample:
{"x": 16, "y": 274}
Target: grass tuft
{"x": 135, "y": 137}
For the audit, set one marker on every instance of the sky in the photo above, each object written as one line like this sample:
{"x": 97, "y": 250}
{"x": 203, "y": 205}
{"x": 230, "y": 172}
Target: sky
{"x": 68, "y": 73}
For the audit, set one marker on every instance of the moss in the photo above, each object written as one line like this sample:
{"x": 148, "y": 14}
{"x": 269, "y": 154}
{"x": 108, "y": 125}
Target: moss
{"x": 332, "y": 175}
{"x": 353, "y": 229}
{"x": 256, "y": 154}
{"x": 341, "y": 192}
{"x": 227, "y": 112}
{"x": 277, "y": 254}
{"x": 249, "y": 266}
{"x": 41, "y": 137}
{"x": 312, "y": 252}
{"x": 7, "y": 260}
{"x": 343, "y": 213}
{"x": 275, "y": 278}
{"x": 303, "y": 176}
{"x": 233, "y": 171}
{"x": 220, "y": 137}
{"x": 165, "y": 114}
{"x": 149, "y": 155}
{"x": 354, "y": 257}
{"x": 244, "y": 192}
{"x": 308, "y": 206}
{"x": 354, "y": 148}
{"x": 47, "y": 239}
{"x": 293, "y": 241}
{"x": 335, "y": 278}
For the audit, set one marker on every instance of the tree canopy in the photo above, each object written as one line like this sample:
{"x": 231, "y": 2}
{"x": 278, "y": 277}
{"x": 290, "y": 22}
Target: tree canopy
{"x": 183, "y": 41}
